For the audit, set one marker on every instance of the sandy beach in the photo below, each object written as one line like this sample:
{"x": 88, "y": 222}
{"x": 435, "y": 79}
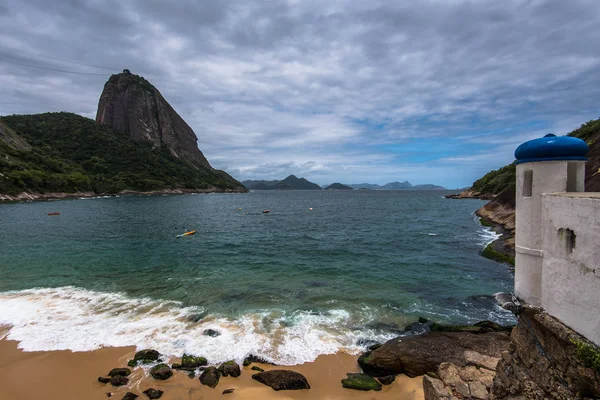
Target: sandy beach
{"x": 65, "y": 375}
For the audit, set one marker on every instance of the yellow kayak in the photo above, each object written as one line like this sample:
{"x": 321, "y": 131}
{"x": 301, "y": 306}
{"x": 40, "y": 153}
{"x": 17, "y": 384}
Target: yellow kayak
{"x": 187, "y": 234}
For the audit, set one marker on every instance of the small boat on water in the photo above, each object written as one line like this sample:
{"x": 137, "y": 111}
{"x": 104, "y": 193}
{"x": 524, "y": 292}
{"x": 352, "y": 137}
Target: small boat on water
{"x": 54, "y": 213}
{"x": 266, "y": 211}
{"x": 187, "y": 234}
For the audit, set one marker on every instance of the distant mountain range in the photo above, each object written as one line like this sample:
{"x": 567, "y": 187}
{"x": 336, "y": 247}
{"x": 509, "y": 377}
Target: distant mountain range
{"x": 292, "y": 182}
{"x": 406, "y": 185}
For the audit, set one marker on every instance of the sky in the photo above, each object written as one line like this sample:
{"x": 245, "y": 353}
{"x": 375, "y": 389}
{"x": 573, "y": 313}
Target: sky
{"x": 429, "y": 91}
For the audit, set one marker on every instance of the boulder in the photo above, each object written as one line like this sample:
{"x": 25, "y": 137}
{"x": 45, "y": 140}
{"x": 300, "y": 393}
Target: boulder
{"x": 132, "y": 363}
{"x": 130, "y": 396}
{"x": 228, "y": 391}
{"x": 211, "y": 333}
{"x": 189, "y": 361}
{"x": 210, "y": 377}
{"x": 387, "y": 380}
{"x": 119, "y": 371}
{"x": 479, "y": 360}
{"x": 360, "y": 381}
{"x": 282, "y": 379}
{"x": 230, "y": 368}
{"x": 161, "y": 372}
{"x": 252, "y": 358}
{"x": 254, "y": 368}
{"x": 146, "y": 356}
{"x": 153, "y": 393}
{"x": 417, "y": 355}
{"x": 103, "y": 379}
{"x": 434, "y": 389}
{"x": 119, "y": 380}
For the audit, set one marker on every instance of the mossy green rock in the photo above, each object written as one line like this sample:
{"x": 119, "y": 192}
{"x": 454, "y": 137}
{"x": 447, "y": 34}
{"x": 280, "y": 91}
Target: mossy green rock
{"x": 257, "y": 368}
{"x": 189, "y": 361}
{"x": 161, "y": 372}
{"x": 230, "y": 368}
{"x": 132, "y": 363}
{"x": 360, "y": 381}
{"x": 210, "y": 377}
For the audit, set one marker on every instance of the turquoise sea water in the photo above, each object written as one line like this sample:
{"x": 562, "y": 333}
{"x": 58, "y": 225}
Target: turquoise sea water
{"x": 288, "y": 285}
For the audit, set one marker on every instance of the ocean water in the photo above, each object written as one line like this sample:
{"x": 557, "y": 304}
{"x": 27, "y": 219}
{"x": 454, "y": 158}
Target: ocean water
{"x": 287, "y": 286}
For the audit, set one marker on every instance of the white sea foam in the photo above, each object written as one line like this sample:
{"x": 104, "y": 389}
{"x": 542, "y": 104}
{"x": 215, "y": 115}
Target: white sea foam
{"x": 487, "y": 235}
{"x": 82, "y": 320}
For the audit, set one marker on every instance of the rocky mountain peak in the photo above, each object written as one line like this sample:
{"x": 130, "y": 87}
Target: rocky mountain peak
{"x": 133, "y": 106}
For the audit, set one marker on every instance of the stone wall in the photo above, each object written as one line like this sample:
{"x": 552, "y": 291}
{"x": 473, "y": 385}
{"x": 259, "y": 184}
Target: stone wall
{"x": 547, "y": 360}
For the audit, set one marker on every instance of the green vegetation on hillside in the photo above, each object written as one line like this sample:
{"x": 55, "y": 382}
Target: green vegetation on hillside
{"x": 585, "y": 131}
{"x": 70, "y": 153}
{"x": 496, "y": 181}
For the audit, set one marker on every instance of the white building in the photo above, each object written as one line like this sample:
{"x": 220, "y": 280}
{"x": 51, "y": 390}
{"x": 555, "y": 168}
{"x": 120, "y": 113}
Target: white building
{"x": 557, "y": 263}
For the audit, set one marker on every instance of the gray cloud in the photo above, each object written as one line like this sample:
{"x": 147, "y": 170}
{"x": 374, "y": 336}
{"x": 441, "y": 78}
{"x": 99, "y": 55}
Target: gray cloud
{"x": 334, "y": 90}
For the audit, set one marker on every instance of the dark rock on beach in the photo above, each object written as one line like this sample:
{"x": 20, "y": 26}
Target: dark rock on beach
{"x": 119, "y": 371}
{"x": 228, "y": 391}
{"x": 360, "y": 381}
{"x": 103, "y": 379}
{"x": 282, "y": 380}
{"x": 130, "y": 396}
{"x": 153, "y": 393}
{"x": 132, "y": 363}
{"x": 146, "y": 356}
{"x": 230, "y": 368}
{"x": 210, "y": 377}
{"x": 211, "y": 333}
{"x": 189, "y": 361}
{"x": 119, "y": 380}
{"x": 387, "y": 380}
{"x": 161, "y": 372}
{"x": 252, "y": 358}
{"x": 417, "y": 355}
{"x": 257, "y": 368}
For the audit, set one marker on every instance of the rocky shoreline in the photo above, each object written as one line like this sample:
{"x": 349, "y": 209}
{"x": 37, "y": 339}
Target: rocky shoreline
{"x": 498, "y": 214}
{"x": 35, "y": 196}
{"x": 468, "y": 347}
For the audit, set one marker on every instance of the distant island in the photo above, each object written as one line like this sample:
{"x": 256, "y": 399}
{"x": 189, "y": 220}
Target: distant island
{"x": 138, "y": 143}
{"x": 338, "y": 186}
{"x": 406, "y": 185}
{"x": 292, "y": 182}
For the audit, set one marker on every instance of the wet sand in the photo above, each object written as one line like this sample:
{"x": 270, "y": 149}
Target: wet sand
{"x": 65, "y": 375}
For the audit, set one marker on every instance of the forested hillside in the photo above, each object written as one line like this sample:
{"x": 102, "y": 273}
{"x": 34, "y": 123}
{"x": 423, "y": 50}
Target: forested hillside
{"x": 65, "y": 152}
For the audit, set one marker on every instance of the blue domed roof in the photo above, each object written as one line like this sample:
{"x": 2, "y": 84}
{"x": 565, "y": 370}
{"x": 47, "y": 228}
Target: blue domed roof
{"x": 552, "y": 148}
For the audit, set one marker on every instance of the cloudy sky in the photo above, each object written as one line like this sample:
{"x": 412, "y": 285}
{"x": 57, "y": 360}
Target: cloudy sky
{"x": 430, "y": 91}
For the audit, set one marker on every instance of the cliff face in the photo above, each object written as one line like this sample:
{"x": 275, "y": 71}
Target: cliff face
{"x": 11, "y": 139}
{"x": 547, "y": 360}
{"x": 131, "y": 105}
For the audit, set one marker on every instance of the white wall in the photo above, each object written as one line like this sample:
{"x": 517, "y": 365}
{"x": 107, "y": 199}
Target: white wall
{"x": 571, "y": 279}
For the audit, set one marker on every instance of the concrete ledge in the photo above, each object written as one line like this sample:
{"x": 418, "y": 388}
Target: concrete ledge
{"x": 528, "y": 251}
